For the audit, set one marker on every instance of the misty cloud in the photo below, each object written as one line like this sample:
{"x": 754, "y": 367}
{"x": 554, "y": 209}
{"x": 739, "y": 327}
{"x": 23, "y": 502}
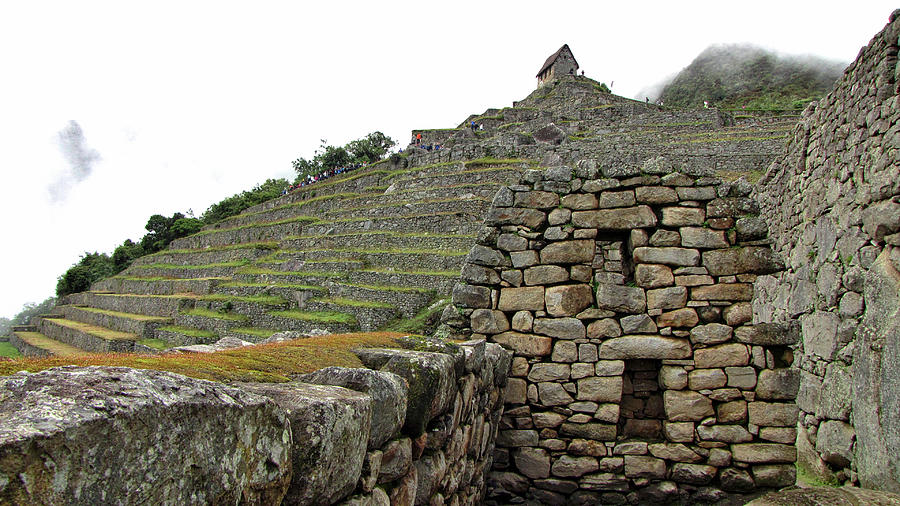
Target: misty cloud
{"x": 78, "y": 155}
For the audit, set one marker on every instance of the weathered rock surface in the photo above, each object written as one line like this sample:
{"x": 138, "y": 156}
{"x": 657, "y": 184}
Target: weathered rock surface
{"x": 138, "y": 436}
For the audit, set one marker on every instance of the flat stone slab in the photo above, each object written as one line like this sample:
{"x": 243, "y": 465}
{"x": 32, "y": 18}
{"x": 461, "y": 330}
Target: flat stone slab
{"x": 827, "y": 496}
{"x": 649, "y": 347}
{"x": 121, "y": 435}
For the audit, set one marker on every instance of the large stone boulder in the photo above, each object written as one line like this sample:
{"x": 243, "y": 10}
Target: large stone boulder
{"x": 330, "y": 428}
{"x": 431, "y": 378}
{"x": 103, "y": 435}
{"x": 388, "y": 393}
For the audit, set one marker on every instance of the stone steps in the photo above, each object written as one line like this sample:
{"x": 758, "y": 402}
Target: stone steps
{"x": 442, "y": 283}
{"x": 381, "y": 240}
{"x": 139, "y": 324}
{"x": 358, "y": 258}
{"x": 332, "y": 265}
{"x": 257, "y": 232}
{"x": 205, "y": 256}
{"x": 406, "y": 300}
{"x": 85, "y": 336}
{"x": 439, "y": 205}
{"x": 125, "y": 284}
{"x": 150, "y": 305}
{"x": 186, "y": 271}
{"x": 370, "y": 315}
{"x": 462, "y": 223}
{"x": 35, "y": 344}
{"x": 304, "y": 321}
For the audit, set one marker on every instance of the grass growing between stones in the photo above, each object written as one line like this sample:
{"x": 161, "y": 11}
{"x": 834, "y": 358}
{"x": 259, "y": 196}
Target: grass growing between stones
{"x": 254, "y": 331}
{"x": 156, "y": 344}
{"x": 290, "y": 286}
{"x": 130, "y": 316}
{"x": 317, "y": 316}
{"x": 236, "y": 263}
{"x": 265, "y": 300}
{"x": 8, "y": 350}
{"x": 343, "y": 301}
{"x": 425, "y": 319}
{"x": 189, "y": 331}
{"x": 273, "y": 362}
{"x": 101, "y": 332}
{"x": 209, "y": 313}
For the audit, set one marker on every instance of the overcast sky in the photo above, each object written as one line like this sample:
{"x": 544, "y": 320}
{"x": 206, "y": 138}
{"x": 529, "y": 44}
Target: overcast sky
{"x": 113, "y": 111}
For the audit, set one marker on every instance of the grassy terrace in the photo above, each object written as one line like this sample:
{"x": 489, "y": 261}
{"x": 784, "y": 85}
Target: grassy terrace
{"x": 263, "y": 245}
{"x": 310, "y": 274}
{"x": 390, "y": 233}
{"x": 264, "y": 300}
{"x": 298, "y": 219}
{"x": 294, "y": 205}
{"x": 398, "y": 203}
{"x": 158, "y": 265}
{"x": 274, "y": 362}
{"x": 290, "y": 286}
{"x": 390, "y": 288}
{"x": 255, "y": 331}
{"x": 53, "y": 346}
{"x": 385, "y": 270}
{"x": 101, "y": 332}
{"x": 164, "y": 278}
{"x": 130, "y": 316}
{"x": 7, "y": 350}
{"x": 343, "y": 301}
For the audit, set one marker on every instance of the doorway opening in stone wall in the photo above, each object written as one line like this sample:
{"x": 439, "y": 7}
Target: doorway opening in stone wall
{"x": 641, "y": 412}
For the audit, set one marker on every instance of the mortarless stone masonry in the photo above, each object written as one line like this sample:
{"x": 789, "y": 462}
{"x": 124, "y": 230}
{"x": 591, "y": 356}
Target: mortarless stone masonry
{"x": 636, "y": 375}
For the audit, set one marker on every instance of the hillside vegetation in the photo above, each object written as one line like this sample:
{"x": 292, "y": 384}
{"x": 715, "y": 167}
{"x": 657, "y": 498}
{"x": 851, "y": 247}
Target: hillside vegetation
{"x": 748, "y": 77}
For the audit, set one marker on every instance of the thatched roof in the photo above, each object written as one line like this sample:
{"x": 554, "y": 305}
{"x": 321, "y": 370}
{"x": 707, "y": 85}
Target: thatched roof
{"x": 553, "y": 58}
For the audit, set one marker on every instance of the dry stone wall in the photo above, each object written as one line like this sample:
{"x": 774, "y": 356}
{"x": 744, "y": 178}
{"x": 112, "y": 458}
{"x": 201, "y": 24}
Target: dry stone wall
{"x": 624, "y": 293}
{"x": 413, "y": 428}
{"x": 832, "y": 203}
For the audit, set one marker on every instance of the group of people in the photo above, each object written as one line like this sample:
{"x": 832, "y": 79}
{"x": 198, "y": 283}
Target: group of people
{"x": 427, "y": 147}
{"x": 310, "y": 179}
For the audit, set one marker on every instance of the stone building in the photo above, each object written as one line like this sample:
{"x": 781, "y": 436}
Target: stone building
{"x": 562, "y": 62}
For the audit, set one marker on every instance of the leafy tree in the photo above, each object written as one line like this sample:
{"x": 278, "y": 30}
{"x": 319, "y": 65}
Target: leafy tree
{"x": 125, "y": 254}
{"x": 235, "y": 204}
{"x": 90, "y": 268}
{"x": 370, "y": 148}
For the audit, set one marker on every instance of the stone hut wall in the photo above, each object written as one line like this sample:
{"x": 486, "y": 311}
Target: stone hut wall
{"x": 413, "y": 428}
{"x": 832, "y": 203}
{"x": 624, "y": 294}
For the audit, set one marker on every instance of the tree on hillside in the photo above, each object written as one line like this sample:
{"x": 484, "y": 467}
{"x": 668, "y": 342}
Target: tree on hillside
{"x": 235, "y": 204}
{"x": 370, "y": 148}
{"x": 91, "y": 267}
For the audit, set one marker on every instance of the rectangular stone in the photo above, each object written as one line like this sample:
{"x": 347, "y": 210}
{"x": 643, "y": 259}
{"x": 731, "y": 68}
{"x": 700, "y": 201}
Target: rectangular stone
{"x": 625, "y": 218}
{"x": 527, "y": 345}
{"x": 530, "y": 298}
{"x": 683, "y": 216}
{"x": 667, "y": 255}
{"x": 764, "y": 453}
{"x": 723, "y": 292}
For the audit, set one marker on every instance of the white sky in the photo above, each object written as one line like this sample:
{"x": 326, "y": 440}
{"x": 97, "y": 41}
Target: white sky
{"x": 188, "y": 102}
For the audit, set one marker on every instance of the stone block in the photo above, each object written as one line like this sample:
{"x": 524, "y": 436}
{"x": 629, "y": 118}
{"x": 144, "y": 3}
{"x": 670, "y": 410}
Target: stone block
{"x": 609, "y": 367}
{"x": 711, "y": 333}
{"x": 604, "y": 328}
{"x": 568, "y": 466}
{"x": 684, "y": 317}
{"x": 768, "y": 334}
{"x": 836, "y": 393}
{"x": 524, "y": 258}
{"x": 763, "y": 453}
{"x": 532, "y": 462}
{"x": 471, "y": 296}
{"x": 516, "y": 389}
{"x": 731, "y": 412}
{"x": 668, "y": 256}
{"x": 738, "y": 314}
{"x": 694, "y": 474}
{"x": 786, "y": 435}
{"x": 673, "y": 377}
{"x": 653, "y": 275}
{"x": 516, "y": 438}
{"x": 697, "y": 193}
{"x": 723, "y": 355}
{"x": 623, "y": 218}
{"x": 741, "y": 260}
{"x": 774, "y": 475}
{"x": 683, "y": 216}
{"x": 638, "y": 324}
{"x": 587, "y": 353}
{"x": 704, "y": 238}
{"x": 616, "y": 199}
{"x": 834, "y": 442}
{"x": 565, "y": 351}
{"x": 723, "y": 291}
{"x": 499, "y": 216}
{"x": 553, "y": 394}
{"x": 820, "y": 333}
{"x": 686, "y": 406}
{"x": 563, "y": 328}
{"x": 673, "y": 297}
{"x": 579, "y": 201}
{"x": 773, "y": 414}
{"x": 622, "y": 299}
{"x": 536, "y": 199}
{"x": 478, "y": 275}
{"x": 679, "y": 432}
{"x": 600, "y": 389}
{"x": 530, "y": 298}
{"x": 706, "y": 379}
{"x": 512, "y": 242}
{"x": 778, "y": 384}
{"x": 664, "y": 237}
{"x": 488, "y": 321}
{"x": 546, "y": 275}
{"x": 594, "y": 431}
{"x": 396, "y": 460}
{"x": 527, "y": 345}
{"x": 655, "y": 195}
{"x": 645, "y": 346}
{"x": 724, "y": 433}
{"x": 549, "y": 371}
{"x": 568, "y": 300}
{"x": 741, "y": 377}
{"x": 640, "y": 466}
{"x": 676, "y": 452}
{"x": 547, "y": 419}
{"x": 568, "y": 252}
{"x": 522, "y": 321}
{"x": 587, "y": 447}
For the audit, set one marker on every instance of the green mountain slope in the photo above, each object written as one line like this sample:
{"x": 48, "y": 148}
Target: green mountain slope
{"x": 742, "y": 76}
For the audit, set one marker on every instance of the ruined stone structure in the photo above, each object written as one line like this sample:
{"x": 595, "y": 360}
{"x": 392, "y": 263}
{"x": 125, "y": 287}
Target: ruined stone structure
{"x": 414, "y": 428}
{"x": 832, "y": 203}
{"x": 624, "y": 293}
{"x": 660, "y": 314}
{"x": 560, "y": 63}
